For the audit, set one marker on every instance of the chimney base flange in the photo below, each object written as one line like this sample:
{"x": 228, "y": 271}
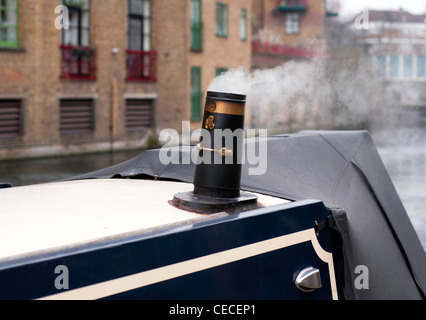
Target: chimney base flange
{"x": 208, "y": 205}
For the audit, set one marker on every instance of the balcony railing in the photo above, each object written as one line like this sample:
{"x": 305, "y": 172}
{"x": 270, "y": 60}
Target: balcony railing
{"x": 292, "y": 5}
{"x": 78, "y": 63}
{"x": 141, "y": 66}
{"x": 287, "y": 51}
{"x": 332, "y": 8}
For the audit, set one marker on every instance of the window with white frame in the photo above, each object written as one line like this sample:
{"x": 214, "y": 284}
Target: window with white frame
{"x": 9, "y": 18}
{"x": 139, "y": 29}
{"x": 421, "y": 66}
{"x": 221, "y": 19}
{"x": 243, "y": 24}
{"x": 394, "y": 66}
{"x": 292, "y": 23}
{"x": 78, "y": 33}
{"x": 381, "y": 64}
{"x": 408, "y": 66}
{"x": 402, "y": 66}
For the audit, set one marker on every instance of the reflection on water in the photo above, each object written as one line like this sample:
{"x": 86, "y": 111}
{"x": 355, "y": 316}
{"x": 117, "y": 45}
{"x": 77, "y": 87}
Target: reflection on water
{"x": 33, "y": 171}
{"x": 403, "y": 153}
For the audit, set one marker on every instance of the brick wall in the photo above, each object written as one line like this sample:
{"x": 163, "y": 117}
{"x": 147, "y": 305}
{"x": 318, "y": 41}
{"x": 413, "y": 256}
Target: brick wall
{"x": 172, "y": 38}
{"x": 311, "y": 22}
{"x": 218, "y": 52}
{"x": 32, "y": 73}
{"x": 171, "y": 27}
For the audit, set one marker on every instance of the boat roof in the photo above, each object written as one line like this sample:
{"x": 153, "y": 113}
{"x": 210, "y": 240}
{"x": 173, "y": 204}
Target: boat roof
{"x": 50, "y": 217}
{"x": 344, "y": 170}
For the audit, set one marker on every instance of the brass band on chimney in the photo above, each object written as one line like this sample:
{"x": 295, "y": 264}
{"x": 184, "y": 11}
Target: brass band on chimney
{"x": 217, "y": 181}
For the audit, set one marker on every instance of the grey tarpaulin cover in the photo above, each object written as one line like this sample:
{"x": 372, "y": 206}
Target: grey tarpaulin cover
{"x": 344, "y": 170}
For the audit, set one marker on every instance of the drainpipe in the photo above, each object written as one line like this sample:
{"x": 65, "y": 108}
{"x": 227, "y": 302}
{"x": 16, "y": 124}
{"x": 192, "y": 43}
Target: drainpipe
{"x": 114, "y": 96}
{"x": 111, "y": 114}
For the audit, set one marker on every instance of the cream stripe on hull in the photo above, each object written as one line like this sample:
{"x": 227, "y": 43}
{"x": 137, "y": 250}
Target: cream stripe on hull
{"x": 146, "y": 278}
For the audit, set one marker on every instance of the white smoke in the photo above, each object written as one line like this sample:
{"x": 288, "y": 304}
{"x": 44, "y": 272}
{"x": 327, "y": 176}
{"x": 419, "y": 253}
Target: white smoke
{"x": 233, "y": 81}
{"x": 271, "y": 93}
{"x": 300, "y": 93}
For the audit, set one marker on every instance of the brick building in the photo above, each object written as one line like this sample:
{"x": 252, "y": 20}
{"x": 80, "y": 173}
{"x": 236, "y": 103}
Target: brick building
{"x": 290, "y": 29}
{"x": 293, "y": 30}
{"x": 216, "y": 37}
{"x": 120, "y": 72}
{"x": 395, "y": 40}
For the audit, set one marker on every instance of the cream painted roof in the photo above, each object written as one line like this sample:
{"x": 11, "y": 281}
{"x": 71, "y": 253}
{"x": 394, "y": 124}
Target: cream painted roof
{"x": 48, "y": 217}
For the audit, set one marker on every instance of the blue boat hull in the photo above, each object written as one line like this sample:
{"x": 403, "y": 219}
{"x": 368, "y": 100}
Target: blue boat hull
{"x": 251, "y": 255}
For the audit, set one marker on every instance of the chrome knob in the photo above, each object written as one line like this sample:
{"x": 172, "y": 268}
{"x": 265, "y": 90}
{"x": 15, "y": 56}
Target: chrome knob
{"x": 308, "y": 280}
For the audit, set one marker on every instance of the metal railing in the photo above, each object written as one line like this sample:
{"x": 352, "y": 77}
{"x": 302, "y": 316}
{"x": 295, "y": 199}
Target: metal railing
{"x": 141, "y": 66}
{"x": 288, "y": 51}
{"x": 78, "y": 63}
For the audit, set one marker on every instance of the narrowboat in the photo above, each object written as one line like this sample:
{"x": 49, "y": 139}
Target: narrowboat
{"x": 323, "y": 221}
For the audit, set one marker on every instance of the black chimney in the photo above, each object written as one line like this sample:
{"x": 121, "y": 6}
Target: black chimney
{"x": 217, "y": 176}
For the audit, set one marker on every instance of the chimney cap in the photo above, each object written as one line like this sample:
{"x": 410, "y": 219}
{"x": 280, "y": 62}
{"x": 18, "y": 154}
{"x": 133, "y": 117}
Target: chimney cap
{"x": 227, "y": 97}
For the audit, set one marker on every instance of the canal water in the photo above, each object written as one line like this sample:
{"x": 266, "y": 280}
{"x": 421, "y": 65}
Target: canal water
{"x": 403, "y": 153}
{"x": 34, "y": 171}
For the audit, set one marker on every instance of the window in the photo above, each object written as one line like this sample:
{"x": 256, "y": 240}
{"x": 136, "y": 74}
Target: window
{"x": 78, "y": 58}
{"x": 78, "y": 33}
{"x": 9, "y": 23}
{"x": 139, "y": 29}
{"x": 196, "y": 26}
{"x": 292, "y": 23}
{"x": 394, "y": 66}
{"x": 221, "y": 19}
{"x": 408, "y": 66}
{"x": 76, "y": 116}
{"x": 243, "y": 24}
{"x": 421, "y": 66}
{"x": 10, "y": 118}
{"x": 381, "y": 64}
{"x": 139, "y": 114}
{"x": 141, "y": 61}
{"x": 196, "y": 94}
{"x": 220, "y": 71}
